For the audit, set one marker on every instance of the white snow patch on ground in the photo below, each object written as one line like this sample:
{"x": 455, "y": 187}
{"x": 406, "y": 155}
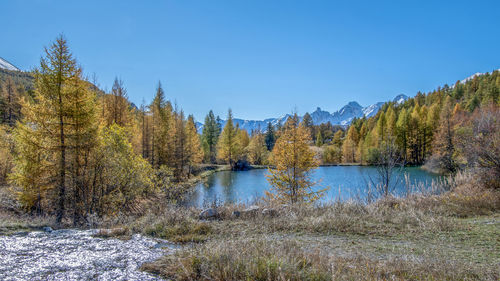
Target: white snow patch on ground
{"x": 77, "y": 255}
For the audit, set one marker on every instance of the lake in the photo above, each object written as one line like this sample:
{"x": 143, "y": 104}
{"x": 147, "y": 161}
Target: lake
{"x": 344, "y": 182}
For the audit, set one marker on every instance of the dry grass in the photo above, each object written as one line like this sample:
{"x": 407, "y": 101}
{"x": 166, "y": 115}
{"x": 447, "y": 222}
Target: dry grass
{"x": 10, "y": 224}
{"x": 176, "y": 224}
{"x": 118, "y": 232}
{"x": 187, "y": 231}
{"x": 267, "y": 259}
{"x": 467, "y": 198}
{"x": 13, "y": 219}
{"x": 386, "y": 217}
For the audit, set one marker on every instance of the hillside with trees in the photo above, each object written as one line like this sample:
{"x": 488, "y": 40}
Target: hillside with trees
{"x": 71, "y": 150}
{"x": 432, "y": 128}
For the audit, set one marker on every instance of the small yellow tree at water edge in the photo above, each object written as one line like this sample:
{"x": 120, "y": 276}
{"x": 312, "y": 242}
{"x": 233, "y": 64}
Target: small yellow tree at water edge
{"x": 294, "y": 162}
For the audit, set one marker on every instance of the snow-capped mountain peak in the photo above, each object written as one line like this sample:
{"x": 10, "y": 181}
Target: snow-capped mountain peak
{"x": 371, "y": 110}
{"x": 350, "y": 107}
{"x": 320, "y": 116}
{"x": 473, "y": 76}
{"x": 399, "y": 99}
{"x": 342, "y": 117}
{"x": 354, "y": 104}
{"x": 7, "y": 65}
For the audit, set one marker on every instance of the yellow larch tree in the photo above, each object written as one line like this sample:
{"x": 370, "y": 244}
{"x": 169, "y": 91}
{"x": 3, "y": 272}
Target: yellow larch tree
{"x": 228, "y": 145}
{"x": 291, "y": 178}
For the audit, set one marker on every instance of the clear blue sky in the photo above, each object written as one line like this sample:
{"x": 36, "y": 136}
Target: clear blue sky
{"x": 262, "y": 58}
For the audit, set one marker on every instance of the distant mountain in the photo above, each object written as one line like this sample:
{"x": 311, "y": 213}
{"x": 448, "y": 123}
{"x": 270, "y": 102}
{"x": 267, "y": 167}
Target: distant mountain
{"x": 399, "y": 99}
{"x": 249, "y": 125}
{"x": 472, "y": 77}
{"x": 7, "y": 65}
{"x": 345, "y": 115}
{"x": 342, "y": 117}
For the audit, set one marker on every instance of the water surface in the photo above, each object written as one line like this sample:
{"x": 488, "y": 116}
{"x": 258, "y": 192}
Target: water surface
{"x": 344, "y": 182}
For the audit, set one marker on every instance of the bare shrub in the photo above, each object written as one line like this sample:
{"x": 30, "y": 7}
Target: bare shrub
{"x": 388, "y": 163}
{"x": 469, "y": 197}
{"x": 6, "y": 159}
{"x": 480, "y": 143}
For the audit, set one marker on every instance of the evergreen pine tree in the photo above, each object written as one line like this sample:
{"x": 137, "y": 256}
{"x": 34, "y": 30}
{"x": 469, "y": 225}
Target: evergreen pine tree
{"x": 319, "y": 139}
{"x": 308, "y": 123}
{"x": 270, "y": 137}
{"x": 210, "y": 136}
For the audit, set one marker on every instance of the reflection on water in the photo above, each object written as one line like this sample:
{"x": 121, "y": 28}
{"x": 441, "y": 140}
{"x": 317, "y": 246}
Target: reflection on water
{"x": 344, "y": 182}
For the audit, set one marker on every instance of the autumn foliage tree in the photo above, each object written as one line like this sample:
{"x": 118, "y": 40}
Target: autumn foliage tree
{"x": 257, "y": 150}
{"x": 122, "y": 175}
{"x": 66, "y": 163}
{"x": 294, "y": 162}
{"x": 228, "y": 145}
{"x": 193, "y": 144}
{"x": 49, "y": 119}
{"x": 350, "y": 145}
{"x": 445, "y": 141}
{"x": 479, "y": 141}
{"x": 6, "y": 157}
{"x": 9, "y": 98}
{"x": 57, "y": 126}
{"x": 185, "y": 146}
{"x": 161, "y": 126}
{"x": 117, "y": 105}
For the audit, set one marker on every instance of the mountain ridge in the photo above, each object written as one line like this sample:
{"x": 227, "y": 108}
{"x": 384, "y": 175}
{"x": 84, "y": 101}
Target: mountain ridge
{"x": 4, "y": 64}
{"x": 342, "y": 117}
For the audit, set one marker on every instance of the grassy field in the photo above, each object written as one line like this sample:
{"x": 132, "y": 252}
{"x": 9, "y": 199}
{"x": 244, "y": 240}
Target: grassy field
{"x": 340, "y": 241}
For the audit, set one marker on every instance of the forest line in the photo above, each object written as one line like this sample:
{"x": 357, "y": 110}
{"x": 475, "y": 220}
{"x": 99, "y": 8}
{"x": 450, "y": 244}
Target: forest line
{"x": 70, "y": 149}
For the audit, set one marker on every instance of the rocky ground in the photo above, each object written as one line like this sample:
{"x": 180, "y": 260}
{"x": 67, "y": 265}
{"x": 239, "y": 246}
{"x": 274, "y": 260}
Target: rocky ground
{"x": 77, "y": 255}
